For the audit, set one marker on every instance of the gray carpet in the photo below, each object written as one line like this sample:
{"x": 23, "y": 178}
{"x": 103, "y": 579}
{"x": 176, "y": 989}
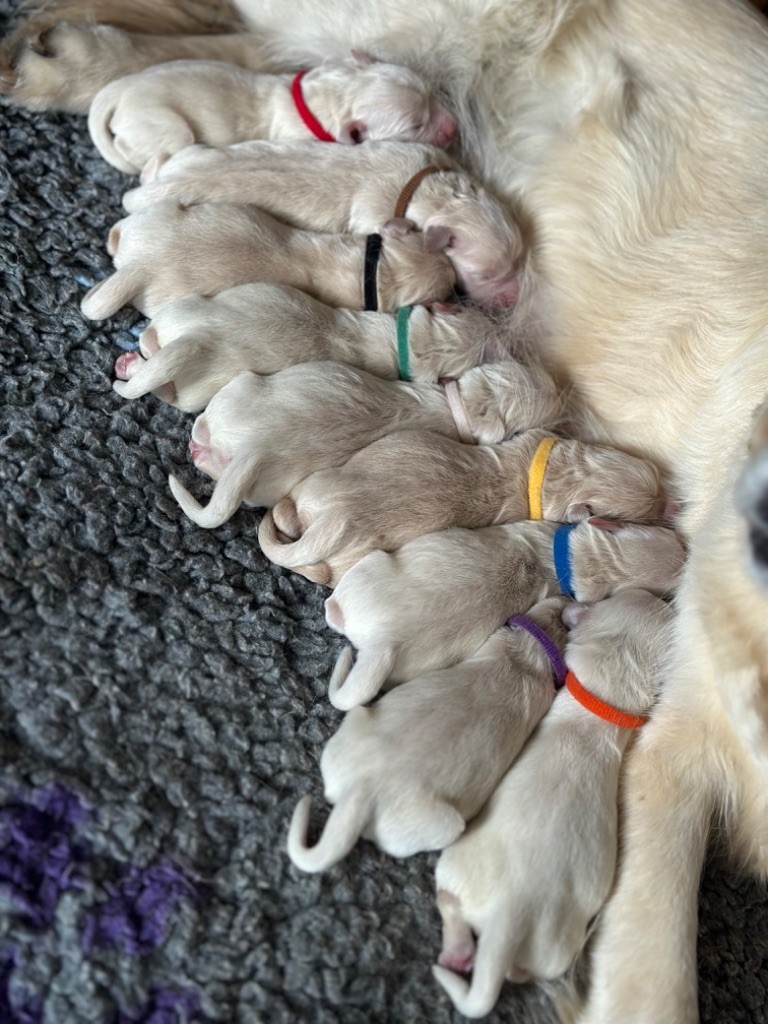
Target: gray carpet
{"x": 163, "y": 702}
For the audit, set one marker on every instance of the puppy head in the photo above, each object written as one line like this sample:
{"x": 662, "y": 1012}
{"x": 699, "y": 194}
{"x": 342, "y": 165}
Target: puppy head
{"x": 505, "y": 398}
{"x": 220, "y": 433}
{"x": 618, "y": 645}
{"x": 608, "y": 557}
{"x": 387, "y": 101}
{"x": 584, "y": 480}
{"x": 408, "y": 274}
{"x": 482, "y": 241}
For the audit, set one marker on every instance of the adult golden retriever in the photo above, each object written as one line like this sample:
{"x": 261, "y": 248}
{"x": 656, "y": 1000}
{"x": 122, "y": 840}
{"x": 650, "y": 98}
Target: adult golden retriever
{"x": 631, "y": 135}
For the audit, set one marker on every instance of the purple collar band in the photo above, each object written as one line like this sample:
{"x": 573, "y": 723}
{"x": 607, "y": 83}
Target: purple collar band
{"x": 550, "y": 648}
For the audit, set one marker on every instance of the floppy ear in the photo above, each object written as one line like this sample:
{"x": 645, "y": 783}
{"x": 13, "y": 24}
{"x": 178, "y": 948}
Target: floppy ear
{"x": 609, "y": 525}
{"x": 573, "y": 613}
{"x": 438, "y": 238}
{"x": 353, "y": 133}
{"x": 577, "y": 513}
{"x": 363, "y": 58}
{"x": 398, "y": 227}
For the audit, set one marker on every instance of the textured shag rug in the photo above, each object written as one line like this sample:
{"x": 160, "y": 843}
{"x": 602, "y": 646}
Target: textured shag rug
{"x": 162, "y": 701}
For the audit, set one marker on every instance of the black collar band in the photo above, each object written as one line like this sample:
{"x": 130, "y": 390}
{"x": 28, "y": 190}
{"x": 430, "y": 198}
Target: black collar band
{"x": 373, "y": 246}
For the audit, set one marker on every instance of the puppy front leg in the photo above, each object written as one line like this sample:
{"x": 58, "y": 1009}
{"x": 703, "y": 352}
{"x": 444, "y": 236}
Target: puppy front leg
{"x": 643, "y": 962}
{"x": 63, "y": 67}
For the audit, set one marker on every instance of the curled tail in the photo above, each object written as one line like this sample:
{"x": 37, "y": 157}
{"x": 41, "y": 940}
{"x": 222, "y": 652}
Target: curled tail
{"x": 163, "y": 368}
{"x": 99, "y": 120}
{"x": 342, "y": 830}
{"x": 493, "y": 961}
{"x": 228, "y": 494}
{"x": 305, "y": 551}
{"x": 356, "y": 681}
{"x": 111, "y": 294}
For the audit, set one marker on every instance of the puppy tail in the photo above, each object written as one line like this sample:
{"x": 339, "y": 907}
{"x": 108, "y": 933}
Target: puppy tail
{"x": 342, "y": 830}
{"x": 228, "y": 494}
{"x": 99, "y": 125}
{"x": 493, "y": 962}
{"x": 111, "y": 294}
{"x": 301, "y": 552}
{"x": 356, "y": 681}
{"x": 163, "y": 368}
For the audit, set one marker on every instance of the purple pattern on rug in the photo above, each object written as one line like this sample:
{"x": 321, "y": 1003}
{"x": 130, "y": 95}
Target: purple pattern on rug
{"x": 38, "y": 855}
{"x": 166, "y": 1006}
{"x": 135, "y": 915}
{"x": 30, "y": 1012}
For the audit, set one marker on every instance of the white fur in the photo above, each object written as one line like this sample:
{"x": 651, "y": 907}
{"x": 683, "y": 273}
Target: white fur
{"x": 261, "y": 435}
{"x": 438, "y": 598}
{"x": 165, "y": 253}
{"x": 536, "y": 866}
{"x": 196, "y": 345}
{"x": 410, "y": 771}
{"x": 334, "y": 518}
{"x": 356, "y": 189}
{"x": 150, "y": 115}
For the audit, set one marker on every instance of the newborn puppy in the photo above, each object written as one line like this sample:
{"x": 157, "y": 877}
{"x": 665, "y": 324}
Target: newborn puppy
{"x": 537, "y": 864}
{"x": 156, "y": 112}
{"x": 166, "y": 253}
{"x": 261, "y": 435}
{"x": 334, "y": 518}
{"x": 358, "y": 189}
{"x": 410, "y": 771}
{"x": 437, "y": 599}
{"x": 195, "y": 346}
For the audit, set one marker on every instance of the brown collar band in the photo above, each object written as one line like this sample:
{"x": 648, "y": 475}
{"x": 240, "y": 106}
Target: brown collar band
{"x": 401, "y": 206}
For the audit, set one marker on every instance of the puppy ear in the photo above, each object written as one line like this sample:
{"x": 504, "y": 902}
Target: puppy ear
{"x": 573, "y": 614}
{"x": 353, "y": 133}
{"x": 609, "y": 525}
{"x": 577, "y": 513}
{"x": 438, "y": 238}
{"x": 398, "y": 227}
{"x": 363, "y": 58}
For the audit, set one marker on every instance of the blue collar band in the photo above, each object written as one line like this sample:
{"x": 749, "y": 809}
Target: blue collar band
{"x": 561, "y": 549}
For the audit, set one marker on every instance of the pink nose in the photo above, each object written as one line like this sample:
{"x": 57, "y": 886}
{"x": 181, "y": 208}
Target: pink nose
{"x": 444, "y": 129}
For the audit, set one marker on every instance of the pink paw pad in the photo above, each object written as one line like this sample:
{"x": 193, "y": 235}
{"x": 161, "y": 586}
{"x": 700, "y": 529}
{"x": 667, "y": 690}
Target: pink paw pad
{"x": 127, "y": 364}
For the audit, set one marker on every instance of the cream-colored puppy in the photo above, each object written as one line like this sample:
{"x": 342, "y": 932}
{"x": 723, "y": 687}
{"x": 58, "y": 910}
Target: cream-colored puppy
{"x": 358, "y": 189}
{"x": 333, "y": 518}
{"x": 195, "y": 346}
{"x": 156, "y": 112}
{"x": 438, "y": 598}
{"x": 536, "y": 866}
{"x": 410, "y": 771}
{"x": 261, "y": 435}
{"x": 166, "y": 252}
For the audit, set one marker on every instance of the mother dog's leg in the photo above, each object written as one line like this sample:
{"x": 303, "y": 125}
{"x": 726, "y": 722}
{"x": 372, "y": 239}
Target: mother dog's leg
{"x": 643, "y": 962}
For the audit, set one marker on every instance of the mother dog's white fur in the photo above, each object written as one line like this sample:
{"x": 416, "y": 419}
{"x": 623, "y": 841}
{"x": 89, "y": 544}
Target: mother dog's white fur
{"x": 633, "y": 136}
{"x": 356, "y": 189}
{"x": 195, "y": 346}
{"x": 261, "y": 435}
{"x": 156, "y": 112}
{"x": 333, "y": 518}
{"x": 438, "y": 598}
{"x": 536, "y": 866}
{"x": 410, "y": 771}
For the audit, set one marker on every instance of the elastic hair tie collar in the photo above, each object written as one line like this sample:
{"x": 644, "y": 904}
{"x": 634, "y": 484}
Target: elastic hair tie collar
{"x": 548, "y": 645}
{"x": 536, "y": 475}
{"x": 623, "y": 719}
{"x": 403, "y": 357}
{"x": 305, "y": 113}
{"x": 561, "y": 552}
{"x": 370, "y": 271}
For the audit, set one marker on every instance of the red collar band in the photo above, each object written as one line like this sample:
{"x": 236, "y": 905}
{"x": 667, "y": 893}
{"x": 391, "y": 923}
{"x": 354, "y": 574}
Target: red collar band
{"x": 598, "y": 707}
{"x": 305, "y": 113}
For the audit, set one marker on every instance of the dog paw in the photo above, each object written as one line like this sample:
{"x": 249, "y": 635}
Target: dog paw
{"x": 58, "y": 67}
{"x": 127, "y": 364}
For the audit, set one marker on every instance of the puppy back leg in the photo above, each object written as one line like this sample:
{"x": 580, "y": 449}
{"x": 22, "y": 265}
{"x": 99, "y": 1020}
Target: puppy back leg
{"x": 162, "y": 369}
{"x": 644, "y": 958}
{"x": 357, "y": 683}
{"x": 493, "y": 961}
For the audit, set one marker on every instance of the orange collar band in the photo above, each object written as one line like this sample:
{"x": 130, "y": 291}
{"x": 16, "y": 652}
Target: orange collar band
{"x": 598, "y": 707}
